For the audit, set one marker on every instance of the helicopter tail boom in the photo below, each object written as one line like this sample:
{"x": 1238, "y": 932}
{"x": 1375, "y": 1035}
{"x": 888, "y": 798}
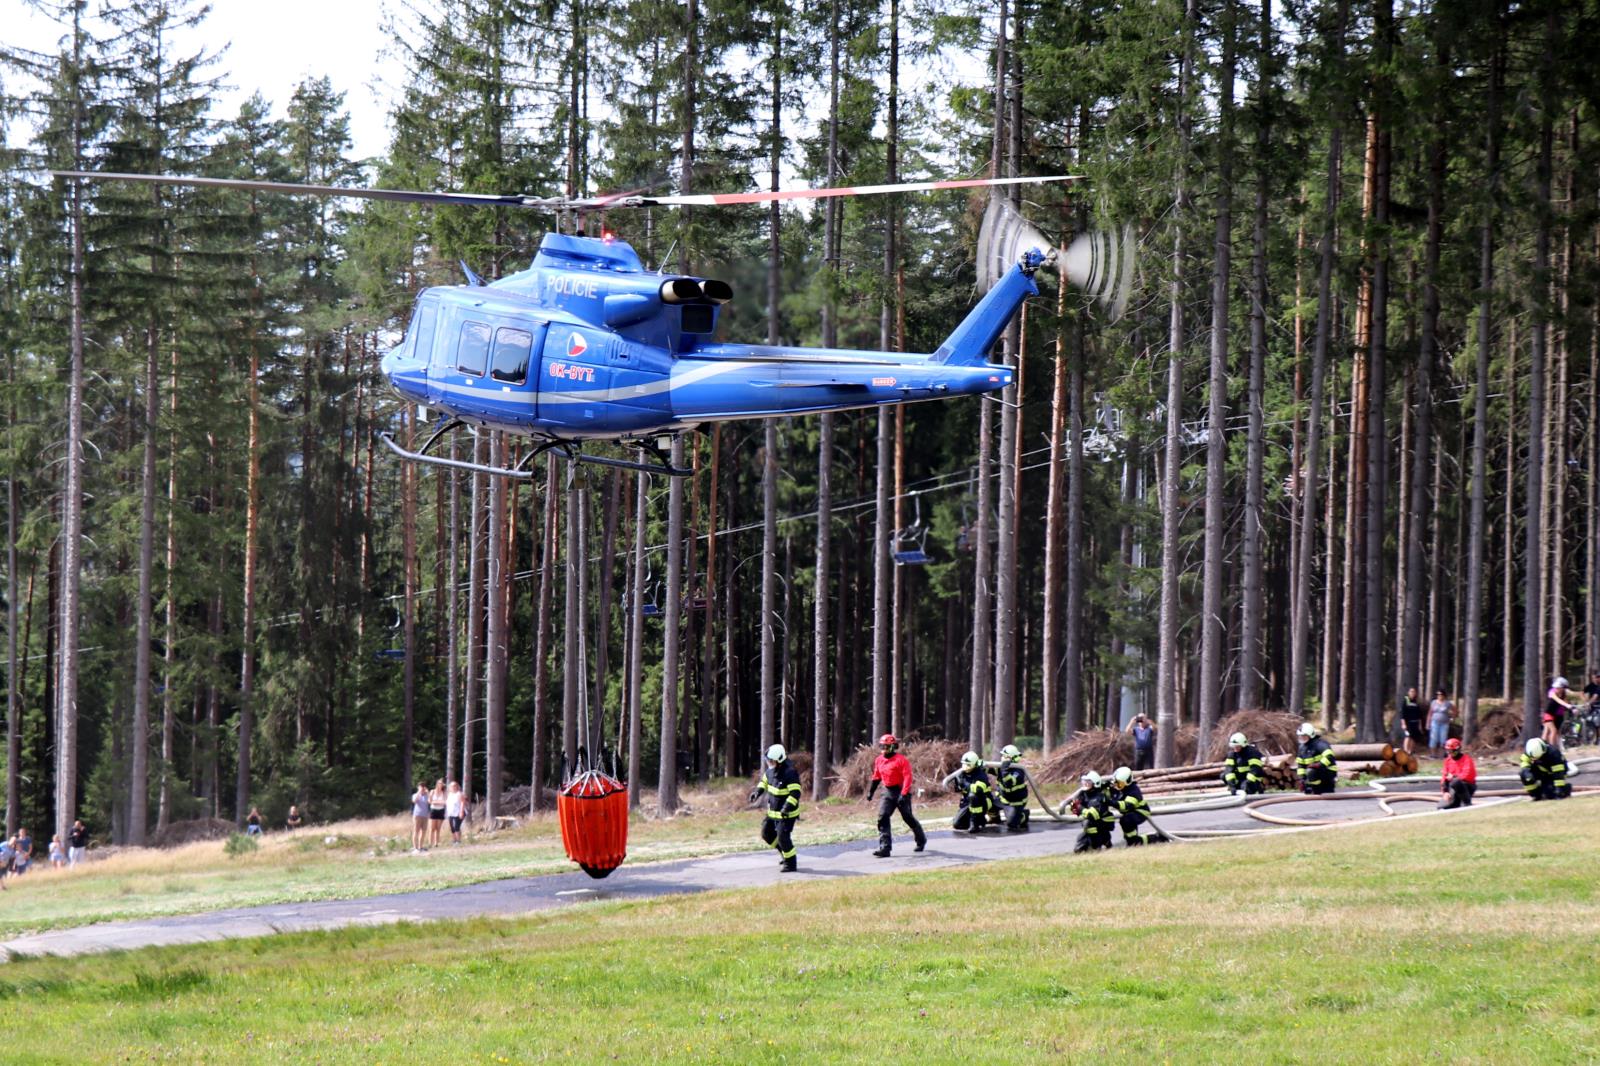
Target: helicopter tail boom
{"x": 972, "y": 340}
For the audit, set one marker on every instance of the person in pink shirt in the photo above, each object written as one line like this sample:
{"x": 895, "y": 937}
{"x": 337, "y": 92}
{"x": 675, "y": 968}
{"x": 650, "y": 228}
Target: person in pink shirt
{"x": 893, "y": 771}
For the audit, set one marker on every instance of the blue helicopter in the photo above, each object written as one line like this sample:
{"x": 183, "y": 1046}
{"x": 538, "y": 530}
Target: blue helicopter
{"x": 589, "y": 345}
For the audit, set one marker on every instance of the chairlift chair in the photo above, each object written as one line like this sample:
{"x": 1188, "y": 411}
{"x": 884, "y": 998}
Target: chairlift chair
{"x": 911, "y": 542}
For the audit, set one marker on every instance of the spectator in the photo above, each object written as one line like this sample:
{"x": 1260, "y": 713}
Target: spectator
{"x": 1441, "y": 712}
{"x": 1144, "y": 741}
{"x": 24, "y": 851}
{"x": 294, "y": 821}
{"x": 1411, "y": 720}
{"x": 58, "y": 855}
{"x": 252, "y": 824}
{"x": 1556, "y": 709}
{"x": 419, "y": 819}
{"x": 1592, "y": 690}
{"x": 77, "y": 843}
{"x": 453, "y": 806}
{"x": 8, "y": 858}
{"x": 436, "y": 809}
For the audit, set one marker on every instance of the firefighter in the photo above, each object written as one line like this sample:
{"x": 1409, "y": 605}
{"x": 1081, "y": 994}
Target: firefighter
{"x": 1315, "y": 766}
{"x": 1242, "y": 767}
{"x": 893, "y": 771}
{"x": 781, "y": 783}
{"x": 1132, "y": 810}
{"x": 1459, "y": 779}
{"x": 1092, "y": 804}
{"x": 977, "y": 794}
{"x": 1544, "y": 771}
{"x": 1013, "y": 782}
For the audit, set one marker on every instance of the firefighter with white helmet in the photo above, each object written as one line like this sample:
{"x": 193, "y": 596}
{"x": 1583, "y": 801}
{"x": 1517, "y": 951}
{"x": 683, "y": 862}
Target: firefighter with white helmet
{"x": 1244, "y": 767}
{"x": 977, "y": 794}
{"x": 1544, "y": 771}
{"x": 1093, "y": 805}
{"x": 1132, "y": 809}
{"x": 1315, "y": 764}
{"x": 1012, "y": 778}
{"x": 780, "y": 781}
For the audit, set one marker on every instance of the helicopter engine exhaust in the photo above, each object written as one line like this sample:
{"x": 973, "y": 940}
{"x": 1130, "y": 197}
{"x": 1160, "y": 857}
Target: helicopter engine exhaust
{"x": 718, "y": 292}
{"x": 1100, "y": 263}
{"x": 680, "y": 291}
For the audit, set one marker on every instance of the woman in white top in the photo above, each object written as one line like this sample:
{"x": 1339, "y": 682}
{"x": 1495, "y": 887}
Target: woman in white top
{"x": 452, "y": 811}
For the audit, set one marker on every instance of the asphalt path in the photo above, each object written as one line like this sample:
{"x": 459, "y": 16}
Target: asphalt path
{"x": 946, "y": 849}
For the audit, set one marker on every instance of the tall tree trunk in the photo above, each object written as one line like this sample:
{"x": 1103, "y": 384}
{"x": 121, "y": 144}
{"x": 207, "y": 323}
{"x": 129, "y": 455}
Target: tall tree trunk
{"x": 408, "y": 618}
{"x": 1508, "y": 569}
{"x": 472, "y": 686}
{"x": 884, "y": 618}
{"x": 549, "y": 549}
{"x": 1213, "y": 631}
{"x": 1053, "y": 517}
{"x": 138, "y": 777}
{"x": 667, "y": 786}
{"x": 1418, "y": 505}
{"x": 452, "y": 621}
{"x": 1166, "y": 668}
{"x": 635, "y": 677}
{"x": 769, "y": 449}
{"x": 1250, "y": 629}
{"x": 247, "y": 628}
{"x": 1299, "y": 655}
{"x": 1533, "y": 601}
{"x": 494, "y": 726}
{"x": 1371, "y": 726}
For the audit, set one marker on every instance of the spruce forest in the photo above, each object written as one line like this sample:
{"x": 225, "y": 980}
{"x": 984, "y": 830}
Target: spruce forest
{"x": 1342, "y": 442}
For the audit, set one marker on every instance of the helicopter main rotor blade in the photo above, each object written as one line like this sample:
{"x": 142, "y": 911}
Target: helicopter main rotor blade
{"x": 767, "y": 196}
{"x": 405, "y": 196}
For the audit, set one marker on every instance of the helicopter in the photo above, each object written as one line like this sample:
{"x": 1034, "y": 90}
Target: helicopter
{"x": 587, "y": 344}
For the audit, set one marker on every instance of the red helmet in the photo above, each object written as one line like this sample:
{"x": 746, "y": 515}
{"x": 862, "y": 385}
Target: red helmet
{"x": 888, "y": 740}
{"x": 1453, "y": 744}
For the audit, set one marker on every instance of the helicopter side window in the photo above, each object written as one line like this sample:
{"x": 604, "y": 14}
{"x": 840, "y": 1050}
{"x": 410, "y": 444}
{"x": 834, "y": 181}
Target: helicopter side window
{"x": 511, "y": 347}
{"x": 422, "y": 331}
{"x": 473, "y": 354}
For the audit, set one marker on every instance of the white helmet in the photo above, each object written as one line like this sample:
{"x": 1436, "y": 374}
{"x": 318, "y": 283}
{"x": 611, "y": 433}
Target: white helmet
{"x": 1011, "y": 753}
{"x": 1123, "y": 775}
{"x": 776, "y": 753}
{"x": 1559, "y": 682}
{"x": 1238, "y": 740}
{"x": 1306, "y": 730}
{"x": 1090, "y": 780}
{"x": 1535, "y": 748}
{"x": 970, "y": 760}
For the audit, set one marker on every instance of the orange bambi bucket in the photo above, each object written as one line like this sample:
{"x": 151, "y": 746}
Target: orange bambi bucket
{"x": 594, "y": 822}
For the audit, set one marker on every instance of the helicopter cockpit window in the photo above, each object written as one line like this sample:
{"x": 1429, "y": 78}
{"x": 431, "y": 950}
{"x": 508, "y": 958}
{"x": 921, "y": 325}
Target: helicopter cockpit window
{"x": 511, "y": 347}
{"x": 698, "y": 318}
{"x": 473, "y": 354}
{"x": 422, "y": 331}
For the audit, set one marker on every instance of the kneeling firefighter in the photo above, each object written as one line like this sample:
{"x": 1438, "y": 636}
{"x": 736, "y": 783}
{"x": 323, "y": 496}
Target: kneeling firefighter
{"x": 893, "y": 771}
{"x": 781, "y": 782}
{"x": 1544, "y": 771}
{"x": 1132, "y": 809}
{"x": 1013, "y": 781}
{"x": 1315, "y": 765}
{"x": 977, "y": 794}
{"x": 1243, "y": 766}
{"x": 1092, "y": 804}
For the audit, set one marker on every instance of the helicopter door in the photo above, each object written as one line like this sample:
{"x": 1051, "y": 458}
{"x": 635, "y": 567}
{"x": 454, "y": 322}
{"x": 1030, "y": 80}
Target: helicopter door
{"x": 575, "y": 377}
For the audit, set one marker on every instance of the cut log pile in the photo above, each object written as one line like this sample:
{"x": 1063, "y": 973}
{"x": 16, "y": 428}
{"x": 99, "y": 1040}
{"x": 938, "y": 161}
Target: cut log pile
{"x": 1385, "y": 760}
{"x": 1279, "y": 774}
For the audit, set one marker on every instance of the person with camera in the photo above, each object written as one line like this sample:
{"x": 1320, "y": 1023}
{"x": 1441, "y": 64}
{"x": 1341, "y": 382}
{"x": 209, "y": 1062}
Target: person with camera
{"x": 892, "y": 770}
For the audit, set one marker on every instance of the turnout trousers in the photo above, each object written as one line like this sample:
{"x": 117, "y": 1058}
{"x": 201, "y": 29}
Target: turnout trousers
{"x": 891, "y": 801}
{"x": 1015, "y": 817}
{"x": 778, "y": 832}
{"x": 1459, "y": 794}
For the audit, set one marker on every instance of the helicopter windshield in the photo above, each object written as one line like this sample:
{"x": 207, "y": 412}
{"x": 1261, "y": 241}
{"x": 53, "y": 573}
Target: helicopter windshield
{"x": 422, "y": 330}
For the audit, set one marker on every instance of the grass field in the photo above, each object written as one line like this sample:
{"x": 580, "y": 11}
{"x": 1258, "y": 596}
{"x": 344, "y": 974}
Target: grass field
{"x": 1463, "y": 940}
{"x": 372, "y": 857}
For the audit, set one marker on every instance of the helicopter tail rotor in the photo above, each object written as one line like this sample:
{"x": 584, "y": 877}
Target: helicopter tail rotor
{"x": 1099, "y": 262}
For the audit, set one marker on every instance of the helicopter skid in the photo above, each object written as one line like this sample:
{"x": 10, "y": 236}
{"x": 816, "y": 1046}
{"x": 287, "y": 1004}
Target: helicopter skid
{"x": 565, "y": 449}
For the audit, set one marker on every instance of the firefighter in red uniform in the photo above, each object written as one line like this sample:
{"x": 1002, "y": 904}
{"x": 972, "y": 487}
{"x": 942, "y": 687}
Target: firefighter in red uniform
{"x": 893, "y": 771}
{"x": 1459, "y": 780}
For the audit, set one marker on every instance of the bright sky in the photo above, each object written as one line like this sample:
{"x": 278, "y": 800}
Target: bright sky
{"x": 271, "y": 47}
